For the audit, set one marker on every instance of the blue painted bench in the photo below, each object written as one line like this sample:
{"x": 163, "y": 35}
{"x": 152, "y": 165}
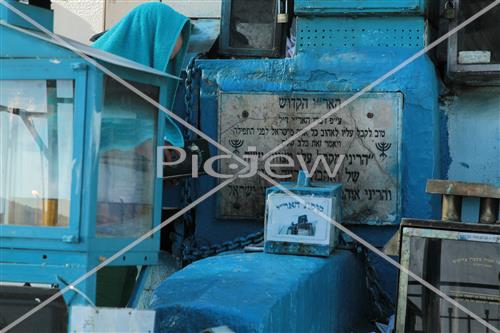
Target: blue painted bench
{"x": 259, "y": 292}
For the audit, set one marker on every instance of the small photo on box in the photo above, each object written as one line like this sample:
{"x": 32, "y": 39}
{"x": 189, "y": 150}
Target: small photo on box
{"x": 301, "y": 227}
{"x": 289, "y": 220}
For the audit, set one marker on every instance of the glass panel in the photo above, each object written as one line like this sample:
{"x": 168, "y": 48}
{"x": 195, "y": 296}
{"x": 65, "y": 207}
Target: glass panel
{"x": 127, "y": 158}
{"x": 467, "y": 271}
{"x": 36, "y": 151}
{"x": 252, "y": 24}
{"x": 481, "y": 35}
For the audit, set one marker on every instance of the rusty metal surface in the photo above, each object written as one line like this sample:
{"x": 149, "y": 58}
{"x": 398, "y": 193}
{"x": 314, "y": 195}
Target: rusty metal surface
{"x": 368, "y": 132}
{"x": 462, "y": 188}
{"x": 488, "y": 210}
{"x": 391, "y": 248}
{"x": 451, "y": 208}
{"x": 439, "y": 225}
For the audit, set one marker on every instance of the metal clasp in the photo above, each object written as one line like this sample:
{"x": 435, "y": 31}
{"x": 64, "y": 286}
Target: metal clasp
{"x": 282, "y": 17}
{"x": 449, "y": 10}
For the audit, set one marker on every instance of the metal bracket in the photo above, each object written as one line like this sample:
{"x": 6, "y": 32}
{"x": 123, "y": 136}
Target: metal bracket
{"x": 453, "y": 192}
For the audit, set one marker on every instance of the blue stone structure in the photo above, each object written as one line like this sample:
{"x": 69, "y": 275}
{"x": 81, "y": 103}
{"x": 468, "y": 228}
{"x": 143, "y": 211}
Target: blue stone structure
{"x": 258, "y": 292}
{"x": 445, "y": 130}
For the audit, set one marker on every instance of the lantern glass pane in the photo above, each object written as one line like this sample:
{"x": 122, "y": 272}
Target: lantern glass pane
{"x": 252, "y": 24}
{"x": 36, "y": 152}
{"x": 467, "y": 271}
{"x": 125, "y": 196}
{"x": 478, "y": 42}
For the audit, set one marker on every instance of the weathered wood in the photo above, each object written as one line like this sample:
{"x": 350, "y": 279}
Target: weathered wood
{"x": 463, "y": 189}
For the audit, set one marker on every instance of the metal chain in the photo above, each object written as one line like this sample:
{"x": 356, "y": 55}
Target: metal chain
{"x": 186, "y": 192}
{"x": 192, "y": 253}
{"x": 383, "y": 304}
{"x": 191, "y": 72}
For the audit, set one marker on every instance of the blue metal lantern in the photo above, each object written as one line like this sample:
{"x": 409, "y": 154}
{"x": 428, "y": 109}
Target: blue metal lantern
{"x": 77, "y": 161}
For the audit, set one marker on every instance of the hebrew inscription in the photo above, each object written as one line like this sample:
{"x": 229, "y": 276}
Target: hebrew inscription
{"x": 367, "y": 132}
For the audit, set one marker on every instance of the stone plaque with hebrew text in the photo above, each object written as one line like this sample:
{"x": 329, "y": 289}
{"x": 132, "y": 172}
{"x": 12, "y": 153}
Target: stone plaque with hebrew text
{"x": 367, "y": 132}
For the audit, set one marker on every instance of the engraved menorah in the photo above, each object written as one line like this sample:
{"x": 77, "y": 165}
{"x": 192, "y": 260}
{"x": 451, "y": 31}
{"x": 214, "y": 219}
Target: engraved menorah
{"x": 383, "y": 147}
{"x": 236, "y": 143}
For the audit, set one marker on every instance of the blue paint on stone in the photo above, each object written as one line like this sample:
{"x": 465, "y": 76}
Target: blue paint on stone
{"x": 338, "y": 71}
{"x": 444, "y": 138}
{"x": 465, "y": 165}
{"x": 473, "y": 122}
{"x": 424, "y": 155}
{"x": 259, "y": 292}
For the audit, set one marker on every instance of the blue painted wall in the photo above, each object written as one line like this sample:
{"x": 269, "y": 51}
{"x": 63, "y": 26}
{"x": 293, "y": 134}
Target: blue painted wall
{"x": 474, "y": 134}
{"x": 335, "y": 71}
{"x": 339, "y": 71}
{"x": 472, "y": 124}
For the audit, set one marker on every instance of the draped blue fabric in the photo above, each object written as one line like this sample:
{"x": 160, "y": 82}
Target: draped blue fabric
{"x": 148, "y": 35}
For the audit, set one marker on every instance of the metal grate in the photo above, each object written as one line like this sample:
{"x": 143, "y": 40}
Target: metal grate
{"x": 341, "y": 32}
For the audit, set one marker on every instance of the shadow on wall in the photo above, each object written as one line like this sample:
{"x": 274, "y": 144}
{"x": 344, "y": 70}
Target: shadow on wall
{"x": 115, "y": 10}
{"x": 75, "y": 23}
